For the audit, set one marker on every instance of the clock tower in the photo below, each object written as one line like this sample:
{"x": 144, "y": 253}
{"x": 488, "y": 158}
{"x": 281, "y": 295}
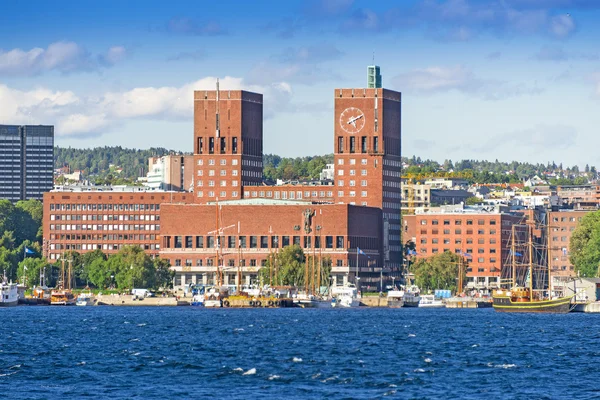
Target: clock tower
{"x": 367, "y": 158}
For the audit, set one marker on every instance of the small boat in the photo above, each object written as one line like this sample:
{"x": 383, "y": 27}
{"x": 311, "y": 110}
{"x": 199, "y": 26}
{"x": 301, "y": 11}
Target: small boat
{"x": 395, "y": 298}
{"x": 62, "y": 298}
{"x": 412, "y": 297}
{"x": 310, "y": 301}
{"x": 85, "y": 299}
{"x": 344, "y": 296}
{"x": 213, "y": 297}
{"x": 8, "y": 294}
{"x": 429, "y": 301}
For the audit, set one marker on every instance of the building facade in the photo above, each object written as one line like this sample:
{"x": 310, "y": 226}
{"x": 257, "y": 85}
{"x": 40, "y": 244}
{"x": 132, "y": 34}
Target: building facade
{"x": 26, "y": 161}
{"x": 562, "y": 225}
{"x": 86, "y": 221}
{"x": 482, "y": 237}
{"x": 359, "y": 209}
{"x": 254, "y": 231}
{"x": 171, "y": 173}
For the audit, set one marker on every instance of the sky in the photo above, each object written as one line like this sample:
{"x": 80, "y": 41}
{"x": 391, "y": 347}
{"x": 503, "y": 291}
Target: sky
{"x": 498, "y": 79}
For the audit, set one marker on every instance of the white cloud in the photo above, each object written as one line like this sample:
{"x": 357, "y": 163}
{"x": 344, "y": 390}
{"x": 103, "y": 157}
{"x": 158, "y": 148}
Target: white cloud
{"x": 438, "y": 79}
{"x": 59, "y": 56}
{"x": 562, "y": 25}
{"x": 92, "y": 115}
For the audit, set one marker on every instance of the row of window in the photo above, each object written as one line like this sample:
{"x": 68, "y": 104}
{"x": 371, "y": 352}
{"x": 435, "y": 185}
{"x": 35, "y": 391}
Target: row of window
{"x": 352, "y": 161}
{"x": 352, "y": 172}
{"x": 458, "y": 222}
{"x": 458, "y": 231}
{"x": 458, "y": 241}
{"x": 222, "y": 172}
{"x": 222, "y": 161}
{"x": 564, "y": 219}
{"x": 80, "y": 236}
{"x": 110, "y": 217}
{"x": 251, "y": 242}
{"x": 91, "y": 247}
{"x": 353, "y": 183}
{"x": 210, "y": 262}
{"x": 105, "y": 207}
{"x": 104, "y": 227}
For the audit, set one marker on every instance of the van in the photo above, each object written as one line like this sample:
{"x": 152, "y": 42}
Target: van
{"x": 142, "y": 293}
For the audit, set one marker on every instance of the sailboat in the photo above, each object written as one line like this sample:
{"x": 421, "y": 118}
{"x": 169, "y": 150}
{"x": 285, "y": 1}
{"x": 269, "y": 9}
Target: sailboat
{"x": 528, "y": 287}
{"x": 63, "y": 296}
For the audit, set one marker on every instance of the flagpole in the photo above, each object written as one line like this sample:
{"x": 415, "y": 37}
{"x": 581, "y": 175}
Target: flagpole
{"x": 356, "y": 277}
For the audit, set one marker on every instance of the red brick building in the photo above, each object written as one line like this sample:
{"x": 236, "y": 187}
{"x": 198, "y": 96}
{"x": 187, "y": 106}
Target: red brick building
{"x": 562, "y": 225}
{"x": 360, "y": 209}
{"x": 188, "y": 239}
{"x": 485, "y": 237}
{"x": 85, "y": 221}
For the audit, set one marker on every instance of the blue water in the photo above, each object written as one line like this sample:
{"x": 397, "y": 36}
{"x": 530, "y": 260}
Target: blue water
{"x": 184, "y": 352}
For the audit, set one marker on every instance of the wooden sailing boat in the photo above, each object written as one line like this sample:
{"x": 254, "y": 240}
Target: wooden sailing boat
{"x": 529, "y": 287}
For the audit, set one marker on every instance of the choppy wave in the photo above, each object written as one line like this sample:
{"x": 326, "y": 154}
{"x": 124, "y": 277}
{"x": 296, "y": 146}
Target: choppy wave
{"x": 294, "y": 354}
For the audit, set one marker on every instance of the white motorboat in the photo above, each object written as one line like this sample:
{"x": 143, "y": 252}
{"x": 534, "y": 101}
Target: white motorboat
{"x": 429, "y": 301}
{"x": 8, "y": 294}
{"x": 212, "y": 297}
{"x": 85, "y": 299}
{"x": 309, "y": 301}
{"x": 395, "y": 298}
{"x": 412, "y": 297}
{"x": 344, "y": 296}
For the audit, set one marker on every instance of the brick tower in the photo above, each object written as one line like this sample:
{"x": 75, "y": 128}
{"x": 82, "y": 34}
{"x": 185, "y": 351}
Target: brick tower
{"x": 228, "y": 143}
{"x": 367, "y": 158}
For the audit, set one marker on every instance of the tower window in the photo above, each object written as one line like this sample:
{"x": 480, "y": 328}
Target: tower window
{"x": 211, "y": 145}
{"x": 234, "y": 145}
{"x": 376, "y": 144}
{"x": 200, "y": 145}
{"x": 363, "y": 144}
{"x": 352, "y": 144}
{"x": 223, "y": 145}
{"x": 340, "y": 144}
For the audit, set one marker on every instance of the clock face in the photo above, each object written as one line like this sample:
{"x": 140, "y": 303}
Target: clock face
{"x": 352, "y": 120}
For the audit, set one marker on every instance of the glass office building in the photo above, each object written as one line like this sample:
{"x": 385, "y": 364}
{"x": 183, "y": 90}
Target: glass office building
{"x": 26, "y": 161}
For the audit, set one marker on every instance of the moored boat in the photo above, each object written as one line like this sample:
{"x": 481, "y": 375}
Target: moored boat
{"x": 8, "y": 294}
{"x": 62, "y": 298}
{"x": 85, "y": 299}
{"x": 530, "y": 281}
{"x": 345, "y": 296}
{"x": 412, "y": 297}
{"x": 429, "y": 301}
{"x": 395, "y": 298}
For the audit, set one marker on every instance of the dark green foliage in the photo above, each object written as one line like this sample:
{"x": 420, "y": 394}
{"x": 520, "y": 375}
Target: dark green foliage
{"x": 584, "y": 248}
{"x": 275, "y": 167}
{"x": 95, "y": 163}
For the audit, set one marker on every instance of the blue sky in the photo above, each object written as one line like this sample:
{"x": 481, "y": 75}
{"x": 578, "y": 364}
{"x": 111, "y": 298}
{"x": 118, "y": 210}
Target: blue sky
{"x": 498, "y": 79}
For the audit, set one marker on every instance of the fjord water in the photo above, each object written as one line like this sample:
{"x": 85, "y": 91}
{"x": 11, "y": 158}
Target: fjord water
{"x": 184, "y": 352}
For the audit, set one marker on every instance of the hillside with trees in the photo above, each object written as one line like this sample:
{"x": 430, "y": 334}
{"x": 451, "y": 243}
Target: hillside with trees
{"x": 98, "y": 161}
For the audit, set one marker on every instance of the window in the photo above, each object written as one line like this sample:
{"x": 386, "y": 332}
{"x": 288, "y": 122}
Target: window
{"x": 188, "y": 242}
{"x": 339, "y": 240}
{"x": 178, "y": 242}
{"x": 253, "y": 242}
{"x": 285, "y": 241}
{"x": 446, "y": 222}
{"x": 469, "y": 222}
{"x": 329, "y": 242}
{"x": 340, "y": 145}
{"x": 352, "y": 144}
{"x": 264, "y": 242}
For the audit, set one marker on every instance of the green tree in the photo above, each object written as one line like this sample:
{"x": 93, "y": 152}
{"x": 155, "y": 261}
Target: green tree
{"x": 164, "y": 274}
{"x": 290, "y": 266}
{"x": 132, "y": 267}
{"x": 30, "y": 270}
{"x": 471, "y": 201}
{"x": 439, "y": 271}
{"x": 584, "y": 246}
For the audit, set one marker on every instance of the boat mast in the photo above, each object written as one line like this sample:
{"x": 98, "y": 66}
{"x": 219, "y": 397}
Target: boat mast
{"x": 217, "y": 239}
{"x": 530, "y": 263}
{"x": 548, "y": 255}
{"x": 512, "y": 252}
